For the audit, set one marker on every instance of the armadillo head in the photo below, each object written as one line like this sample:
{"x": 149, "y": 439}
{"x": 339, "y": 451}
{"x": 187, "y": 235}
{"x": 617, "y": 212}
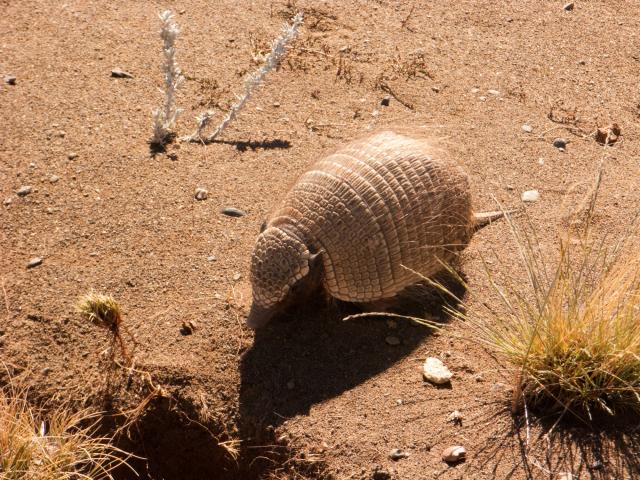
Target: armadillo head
{"x": 279, "y": 261}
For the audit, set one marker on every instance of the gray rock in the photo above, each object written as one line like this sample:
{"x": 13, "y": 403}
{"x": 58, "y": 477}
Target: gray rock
{"x": 117, "y": 73}
{"x": 560, "y": 143}
{"x": 34, "y": 262}
{"x": 454, "y": 454}
{"x": 233, "y": 212}
{"x": 398, "y": 454}
{"x": 24, "y": 190}
{"x": 201, "y": 193}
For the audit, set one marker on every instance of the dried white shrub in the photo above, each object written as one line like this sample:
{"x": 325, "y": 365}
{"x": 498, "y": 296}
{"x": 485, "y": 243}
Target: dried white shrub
{"x": 253, "y": 81}
{"x": 164, "y": 118}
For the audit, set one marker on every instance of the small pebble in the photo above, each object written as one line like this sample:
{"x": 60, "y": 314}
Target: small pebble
{"x": 291, "y": 384}
{"x": 560, "y": 143}
{"x": 46, "y": 370}
{"x": 211, "y": 258}
{"x": 568, "y": 7}
{"x": 565, "y": 476}
{"x": 201, "y": 194}
{"x": 530, "y": 196}
{"x": 386, "y": 101}
{"x": 34, "y": 262}
{"x": 117, "y": 73}
{"x": 455, "y": 417}
{"x": 527, "y": 128}
{"x": 188, "y": 327}
{"x": 54, "y": 178}
{"x": 72, "y": 155}
{"x": 493, "y": 92}
{"x": 436, "y": 372}
{"x": 454, "y": 454}
{"x": 10, "y": 80}
{"x": 237, "y": 277}
{"x": 482, "y": 99}
{"x": 379, "y": 473}
{"x": 7, "y": 201}
{"x": 398, "y": 454}
{"x": 435, "y": 89}
{"x": 233, "y": 212}
{"x": 24, "y": 190}
{"x": 582, "y": 62}
{"x": 391, "y": 340}
{"x": 475, "y": 90}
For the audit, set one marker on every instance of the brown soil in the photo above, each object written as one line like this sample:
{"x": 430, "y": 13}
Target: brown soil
{"x": 310, "y": 396}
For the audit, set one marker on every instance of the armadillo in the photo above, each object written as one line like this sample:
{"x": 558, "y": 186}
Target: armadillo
{"x": 358, "y": 217}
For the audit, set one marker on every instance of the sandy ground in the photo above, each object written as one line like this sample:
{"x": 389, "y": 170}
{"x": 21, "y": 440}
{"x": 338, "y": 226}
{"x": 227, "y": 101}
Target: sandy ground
{"x": 310, "y": 396}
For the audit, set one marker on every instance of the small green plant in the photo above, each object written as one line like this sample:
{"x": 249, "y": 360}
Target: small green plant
{"x": 59, "y": 445}
{"x": 104, "y": 311}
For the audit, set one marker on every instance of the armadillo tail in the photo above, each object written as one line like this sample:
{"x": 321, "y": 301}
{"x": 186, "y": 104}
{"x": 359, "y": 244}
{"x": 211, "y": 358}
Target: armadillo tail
{"x": 482, "y": 219}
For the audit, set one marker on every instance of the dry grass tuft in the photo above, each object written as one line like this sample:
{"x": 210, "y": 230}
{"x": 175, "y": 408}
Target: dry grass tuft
{"x": 571, "y": 332}
{"x": 104, "y": 311}
{"x": 57, "y": 446}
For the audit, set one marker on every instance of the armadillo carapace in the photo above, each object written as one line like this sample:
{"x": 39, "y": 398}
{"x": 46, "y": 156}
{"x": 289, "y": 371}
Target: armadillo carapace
{"x": 361, "y": 215}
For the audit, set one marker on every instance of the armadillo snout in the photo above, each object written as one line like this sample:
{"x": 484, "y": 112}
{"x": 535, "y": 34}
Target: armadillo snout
{"x": 279, "y": 261}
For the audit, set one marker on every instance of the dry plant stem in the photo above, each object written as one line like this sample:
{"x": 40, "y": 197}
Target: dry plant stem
{"x": 420, "y": 321}
{"x": 164, "y": 118}
{"x": 278, "y": 50}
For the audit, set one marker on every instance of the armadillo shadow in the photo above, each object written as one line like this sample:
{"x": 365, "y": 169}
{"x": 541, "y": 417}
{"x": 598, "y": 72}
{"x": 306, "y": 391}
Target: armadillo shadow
{"x": 310, "y": 354}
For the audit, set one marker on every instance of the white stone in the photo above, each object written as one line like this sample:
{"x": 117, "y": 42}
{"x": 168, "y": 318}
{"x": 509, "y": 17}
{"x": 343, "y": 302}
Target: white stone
{"x": 454, "y": 454}
{"x": 530, "y": 196}
{"x": 527, "y": 128}
{"x": 436, "y": 372}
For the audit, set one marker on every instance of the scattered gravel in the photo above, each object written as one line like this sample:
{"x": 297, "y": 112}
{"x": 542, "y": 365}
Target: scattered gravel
{"x": 34, "y": 262}
{"x": 117, "y": 73}
{"x": 560, "y": 143}
{"x": 398, "y": 454}
{"x": 201, "y": 194}
{"x": 454, "y": 454}
{"x": 24, "y": 190}
{"x": 233, "y": 212}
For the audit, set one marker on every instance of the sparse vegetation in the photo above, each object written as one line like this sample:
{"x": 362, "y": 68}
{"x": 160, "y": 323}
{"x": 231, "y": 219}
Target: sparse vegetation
{"x": 104, "y": 311}
{"x": 164, "y": 119}
{"x": 59, "y": 445}
{"x": 252, "y": 82}
{"x": 572, "y": 332}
